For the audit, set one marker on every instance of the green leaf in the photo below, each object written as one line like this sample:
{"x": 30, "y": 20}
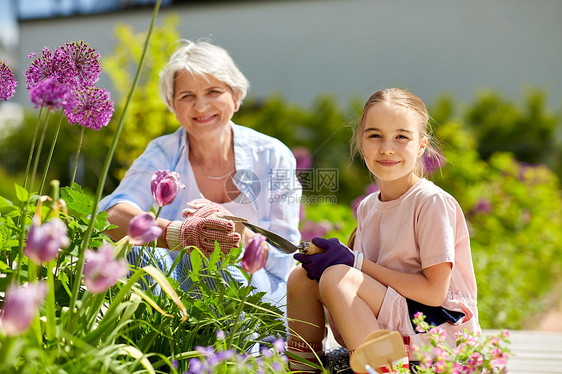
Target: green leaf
{"x": 21, "y": 194}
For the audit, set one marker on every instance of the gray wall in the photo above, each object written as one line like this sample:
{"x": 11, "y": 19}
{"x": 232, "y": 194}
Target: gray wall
{"x": 352, "y": 47}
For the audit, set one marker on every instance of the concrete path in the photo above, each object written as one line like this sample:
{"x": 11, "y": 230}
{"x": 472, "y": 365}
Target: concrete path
{"x": 535, "y": 352}
{"x": 532, "y": 351}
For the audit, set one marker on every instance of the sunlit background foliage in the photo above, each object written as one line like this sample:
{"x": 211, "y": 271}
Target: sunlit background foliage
{"x": 504, "y": 163}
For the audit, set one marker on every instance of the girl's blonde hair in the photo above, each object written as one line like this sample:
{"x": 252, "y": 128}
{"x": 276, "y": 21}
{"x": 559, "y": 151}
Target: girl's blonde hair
{"x": 407, "y": 101}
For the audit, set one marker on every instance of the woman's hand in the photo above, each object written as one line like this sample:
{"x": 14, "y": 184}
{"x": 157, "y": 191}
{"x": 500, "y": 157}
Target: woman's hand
{"x": 202, "y": 227}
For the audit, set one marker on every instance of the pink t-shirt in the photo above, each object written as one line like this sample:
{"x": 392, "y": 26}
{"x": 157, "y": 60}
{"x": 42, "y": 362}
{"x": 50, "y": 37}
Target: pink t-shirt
{"x": 423, "y": 227}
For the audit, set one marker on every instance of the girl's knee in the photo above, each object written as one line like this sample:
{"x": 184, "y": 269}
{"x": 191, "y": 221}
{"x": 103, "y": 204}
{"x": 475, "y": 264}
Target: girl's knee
{"x": 297, "y": 278}
{"x": 337, "y": 279}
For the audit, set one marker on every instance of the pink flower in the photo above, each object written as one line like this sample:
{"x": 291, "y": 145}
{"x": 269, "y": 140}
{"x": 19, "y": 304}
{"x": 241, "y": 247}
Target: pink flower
{"x": 438, "y": 333}
{"x": 418, "y": 315}
{"x": 143, "y": 229}
{"x": 165, "y": 185}
{"x": 44, "y": 241}
{"x": 476, "y": 359}
{"x": 20, "y": 307}
{"x": 254, "y": 255}
{"x": 101, "y": 270}
{"x": 8, "y": 82}
{"x": 440, "y": 367}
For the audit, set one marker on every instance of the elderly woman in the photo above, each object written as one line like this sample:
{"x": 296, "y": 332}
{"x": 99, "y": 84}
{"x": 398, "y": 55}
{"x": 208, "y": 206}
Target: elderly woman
{"x": 239, "y": 171}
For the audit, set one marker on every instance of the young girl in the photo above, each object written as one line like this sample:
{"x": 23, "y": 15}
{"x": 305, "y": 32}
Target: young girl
{"x": 411, "y": 251}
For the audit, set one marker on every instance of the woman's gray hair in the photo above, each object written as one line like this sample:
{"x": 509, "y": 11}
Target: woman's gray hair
{"x": 201, "y": 58}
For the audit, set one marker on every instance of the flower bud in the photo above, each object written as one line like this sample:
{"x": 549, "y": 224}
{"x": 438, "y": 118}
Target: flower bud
{"x": 45, "y": 240}
{"x": 165, "y": 185}
{"x": 143, "y": 229}
{"x": 255, "y": 255}
{"x": 20, "y": 307}
{"x": 101, "y": 269}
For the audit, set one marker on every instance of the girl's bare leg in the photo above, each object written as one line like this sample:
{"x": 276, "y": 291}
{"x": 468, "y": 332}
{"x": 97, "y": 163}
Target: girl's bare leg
{"x": 305, "y": 312}
{"x": 306, "y": 322}
{"x": 354, "y": 300}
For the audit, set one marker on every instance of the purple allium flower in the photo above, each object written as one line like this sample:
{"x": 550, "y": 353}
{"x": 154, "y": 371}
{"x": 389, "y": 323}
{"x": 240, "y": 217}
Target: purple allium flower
{"x": 8, "y": 82}
{"x": 165, "y": 185}
{"x": 20, "y": 306}
{"x": 90, "y": 107}
{"x": 52, "y": 64}
{"x": 254, "y": 254}
{"x": 45, "y": 240}
{"x": 86, "y": 62}
{"x": 303, "y": 157}
{"x": 102, "y": 270}
{"x": 143, "y": 229}
{"x": 50, "y": 93}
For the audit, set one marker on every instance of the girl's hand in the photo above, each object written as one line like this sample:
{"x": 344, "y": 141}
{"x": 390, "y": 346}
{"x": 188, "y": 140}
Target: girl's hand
{"x": 336, "y": 253}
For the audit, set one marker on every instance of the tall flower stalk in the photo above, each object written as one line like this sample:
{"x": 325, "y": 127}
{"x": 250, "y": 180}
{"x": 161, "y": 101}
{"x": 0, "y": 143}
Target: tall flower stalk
{"x": 255, "y": 256}
{"x": 103, "y": 176}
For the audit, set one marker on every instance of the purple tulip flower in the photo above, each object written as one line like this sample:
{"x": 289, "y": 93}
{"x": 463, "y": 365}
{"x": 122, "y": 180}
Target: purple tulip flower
{"x": 102, "y": 270}
{"x": 165, "y": 185}
{"x": 8, "y": 82}
{"x": 20, "y": 307}
{"x": 143, "y": 229}
{"x": 255, "y": 255}
{"x": 45, "y": 240}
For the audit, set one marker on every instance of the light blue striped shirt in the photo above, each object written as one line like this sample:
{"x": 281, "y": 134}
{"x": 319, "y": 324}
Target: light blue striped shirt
{"x": 265, "y": 176}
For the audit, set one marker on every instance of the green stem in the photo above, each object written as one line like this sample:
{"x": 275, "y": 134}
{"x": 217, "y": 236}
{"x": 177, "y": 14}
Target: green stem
{"x": 48, "y": 164}
{"x": 39, "y": 148}
{"x": 97, "y": 197}
{"x": 50, "y": 304}
{"x": 30, "y": 157}
{"x": 239, "y": 312}
{"x": 77, "y": 157}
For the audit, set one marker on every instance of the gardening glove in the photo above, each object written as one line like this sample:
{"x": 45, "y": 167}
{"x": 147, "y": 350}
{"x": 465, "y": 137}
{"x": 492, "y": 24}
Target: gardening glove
{"x": 202, "y": 227}
{"x": 336, "y": 253}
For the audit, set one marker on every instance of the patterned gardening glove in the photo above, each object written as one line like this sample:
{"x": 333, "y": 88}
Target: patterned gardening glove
{"x": 336, "y": 253}
{"x": 202, "y": 227}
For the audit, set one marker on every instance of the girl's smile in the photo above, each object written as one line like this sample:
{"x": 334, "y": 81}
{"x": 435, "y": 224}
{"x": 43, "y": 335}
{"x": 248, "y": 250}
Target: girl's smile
{"x": 391, "y": 144}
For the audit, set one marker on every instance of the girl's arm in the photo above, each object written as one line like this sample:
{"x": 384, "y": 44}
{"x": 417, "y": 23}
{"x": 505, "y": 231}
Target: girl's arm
{"x": 429, "y": 288}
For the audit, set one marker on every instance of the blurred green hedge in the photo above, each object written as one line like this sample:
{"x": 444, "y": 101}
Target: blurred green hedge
{"x": 503, "y": 159}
